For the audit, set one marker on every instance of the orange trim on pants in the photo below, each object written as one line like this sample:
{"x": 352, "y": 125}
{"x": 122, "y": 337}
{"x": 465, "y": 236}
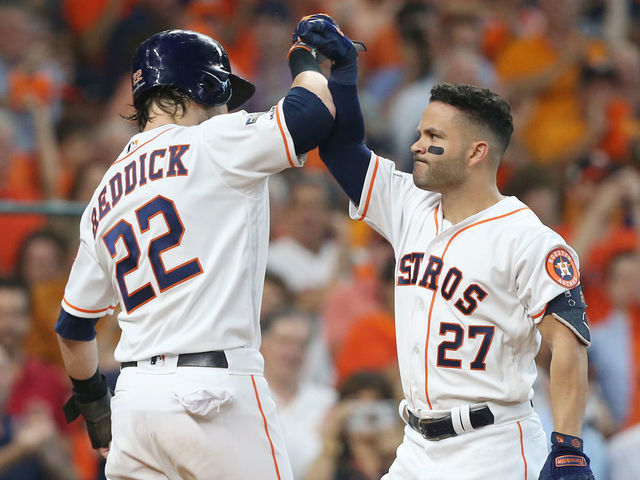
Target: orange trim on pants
{"x": 266, "y": 429}
{"x": 522, "y": 451}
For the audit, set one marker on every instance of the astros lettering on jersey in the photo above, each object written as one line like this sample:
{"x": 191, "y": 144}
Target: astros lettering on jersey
{"x": 467, "y": 296}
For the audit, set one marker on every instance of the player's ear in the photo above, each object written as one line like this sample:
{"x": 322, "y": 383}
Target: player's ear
{"x": 479, "y": 152}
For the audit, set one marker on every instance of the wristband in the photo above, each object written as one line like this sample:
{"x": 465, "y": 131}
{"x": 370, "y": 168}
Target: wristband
{"x": 90, "y": 389}
{"x": 302, "y": 60}
{"x": 567, "y": 441}
{"x": 345, "y": 70}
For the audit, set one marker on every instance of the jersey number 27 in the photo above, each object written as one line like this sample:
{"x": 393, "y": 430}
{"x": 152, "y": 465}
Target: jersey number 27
{"x": 171, "y": 239}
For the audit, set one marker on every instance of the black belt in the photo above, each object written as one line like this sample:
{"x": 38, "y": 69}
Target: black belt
{"x": 216, "y": 359}
{"x": 442, "y": 427}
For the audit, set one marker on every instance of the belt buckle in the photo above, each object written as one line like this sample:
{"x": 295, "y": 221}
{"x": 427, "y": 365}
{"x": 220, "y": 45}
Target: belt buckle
{"x": 422, "y": 424}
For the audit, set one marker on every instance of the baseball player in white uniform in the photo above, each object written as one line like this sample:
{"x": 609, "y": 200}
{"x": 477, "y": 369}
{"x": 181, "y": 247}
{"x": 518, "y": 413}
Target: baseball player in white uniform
{"x": 176, "y": 234}
{"x": 480, "y": 282}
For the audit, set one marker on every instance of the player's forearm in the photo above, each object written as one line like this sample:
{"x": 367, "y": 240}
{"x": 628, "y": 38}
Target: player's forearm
{"x": 344, "y": 153}
{"x": 317, "y": 84}
{"x": 80, "y": 357}
{"x": 568, "y": 386}
{"x": 306, "y": 73}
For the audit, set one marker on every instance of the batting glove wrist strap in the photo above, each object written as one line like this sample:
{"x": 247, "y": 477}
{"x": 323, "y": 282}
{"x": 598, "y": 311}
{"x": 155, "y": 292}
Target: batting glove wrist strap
{"x": 561, "y": 440}
{"x": 302, "y": 59}
{"x": 566, "y": 461}
{"x": 91, "y": 388}
{"x": 96, "y": 412}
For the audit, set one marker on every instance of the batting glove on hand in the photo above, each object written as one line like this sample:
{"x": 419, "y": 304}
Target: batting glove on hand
{"x": 92, "y": 400}
{"x": 566, "y": 461}
{"x": 323, "y": 34}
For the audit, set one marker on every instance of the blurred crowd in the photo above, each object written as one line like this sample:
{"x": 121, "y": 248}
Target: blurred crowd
{"x": 571, "y": 72}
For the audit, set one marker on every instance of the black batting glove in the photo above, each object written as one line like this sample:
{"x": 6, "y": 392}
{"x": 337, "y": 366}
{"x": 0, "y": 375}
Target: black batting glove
{"x": 92, "y": 399}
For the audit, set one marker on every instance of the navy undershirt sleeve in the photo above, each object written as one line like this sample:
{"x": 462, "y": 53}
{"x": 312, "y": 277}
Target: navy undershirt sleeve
{"x": 308, "y": 119}
{"x": 75, "y": 328}
{"x": 344, "y": 153}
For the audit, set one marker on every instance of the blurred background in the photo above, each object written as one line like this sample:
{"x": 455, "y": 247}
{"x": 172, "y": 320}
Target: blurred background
{"x": 569, "y": 68}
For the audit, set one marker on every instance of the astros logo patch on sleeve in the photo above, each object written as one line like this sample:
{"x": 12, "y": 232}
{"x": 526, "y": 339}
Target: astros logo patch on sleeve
{"x": 561, "y": 268}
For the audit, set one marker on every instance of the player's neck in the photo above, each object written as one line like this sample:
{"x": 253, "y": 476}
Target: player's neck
{"x": 462, "y": 203}
{"x": 194, "y": 114}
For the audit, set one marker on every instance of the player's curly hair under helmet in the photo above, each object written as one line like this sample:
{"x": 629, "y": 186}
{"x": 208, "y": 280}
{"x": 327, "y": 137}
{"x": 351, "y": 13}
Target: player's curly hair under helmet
{"x": 174, "y": 67}
{"x": 481, "y": 106}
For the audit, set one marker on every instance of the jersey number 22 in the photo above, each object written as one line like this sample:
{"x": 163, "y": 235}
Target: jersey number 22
{"x": 165, "y": 278}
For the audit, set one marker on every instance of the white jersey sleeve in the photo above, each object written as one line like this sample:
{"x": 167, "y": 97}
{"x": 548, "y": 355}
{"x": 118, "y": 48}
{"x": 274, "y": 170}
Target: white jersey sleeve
{"x": 267, "y": 146}
{"x": 545, "y": 268}
{"x": 388, "y": 199}
{"x": 89, "y": 293}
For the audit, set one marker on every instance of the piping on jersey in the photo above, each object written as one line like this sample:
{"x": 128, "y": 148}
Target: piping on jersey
{"x": 373, "y": 179}
{"x": 87, "y": 311}
{"x": 435, "y": 219}
{"x": 284, "y": 139}
{"x": 544, "y": 309}
{"x": 142, "y": 145}
{"x": 266, "y": 429}
{"x": 524, "y": 459}
{"x": 433, "y": 297}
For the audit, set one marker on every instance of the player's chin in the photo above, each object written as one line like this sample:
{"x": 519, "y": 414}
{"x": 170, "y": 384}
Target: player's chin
{"x": 420, "y": 179}
{"x": 420, "y": 168}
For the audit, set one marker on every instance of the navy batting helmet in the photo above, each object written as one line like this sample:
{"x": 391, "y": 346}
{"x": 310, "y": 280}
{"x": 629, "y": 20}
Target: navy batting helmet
{"x": 191, "y": 61}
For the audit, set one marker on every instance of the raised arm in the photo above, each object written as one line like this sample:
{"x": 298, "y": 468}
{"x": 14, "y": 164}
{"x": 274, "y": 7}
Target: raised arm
{"x": 344, "y": 152}
{"x": 308, "y": 107}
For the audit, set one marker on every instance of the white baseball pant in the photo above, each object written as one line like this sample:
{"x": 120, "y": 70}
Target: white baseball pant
{"x": 196, "y": 423}
{"x": 514, "y": 450}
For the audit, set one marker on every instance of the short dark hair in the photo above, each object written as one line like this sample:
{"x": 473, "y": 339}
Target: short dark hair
{"x": 169, "y": 99}
{"x": 480, "y": 105}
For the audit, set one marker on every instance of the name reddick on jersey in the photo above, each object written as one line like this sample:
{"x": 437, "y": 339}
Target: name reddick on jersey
{"x": 136, "y": 173}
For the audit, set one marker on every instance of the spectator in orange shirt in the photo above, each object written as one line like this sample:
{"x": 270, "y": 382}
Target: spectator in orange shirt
{"x": 542, "y": 74}
{"x": 43, "y": 264}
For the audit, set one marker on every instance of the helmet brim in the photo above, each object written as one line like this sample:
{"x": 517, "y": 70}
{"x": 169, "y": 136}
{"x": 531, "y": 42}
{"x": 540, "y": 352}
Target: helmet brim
{"x": 241, "y": 91}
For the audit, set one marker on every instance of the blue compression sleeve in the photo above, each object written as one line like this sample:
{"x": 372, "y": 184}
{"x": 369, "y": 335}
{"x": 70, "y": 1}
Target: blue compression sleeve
{"x": 345, "y": 154}
{"x": 75, "y": 328}
{"x": 308, "y": 119}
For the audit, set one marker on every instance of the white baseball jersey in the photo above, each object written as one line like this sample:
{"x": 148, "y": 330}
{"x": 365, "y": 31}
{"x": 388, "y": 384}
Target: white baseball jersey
{"x": 177, "y": 234}
{"x": 467, "y": 296}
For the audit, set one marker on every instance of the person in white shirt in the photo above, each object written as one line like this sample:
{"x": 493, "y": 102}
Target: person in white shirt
{"x": 302, "y": 405}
